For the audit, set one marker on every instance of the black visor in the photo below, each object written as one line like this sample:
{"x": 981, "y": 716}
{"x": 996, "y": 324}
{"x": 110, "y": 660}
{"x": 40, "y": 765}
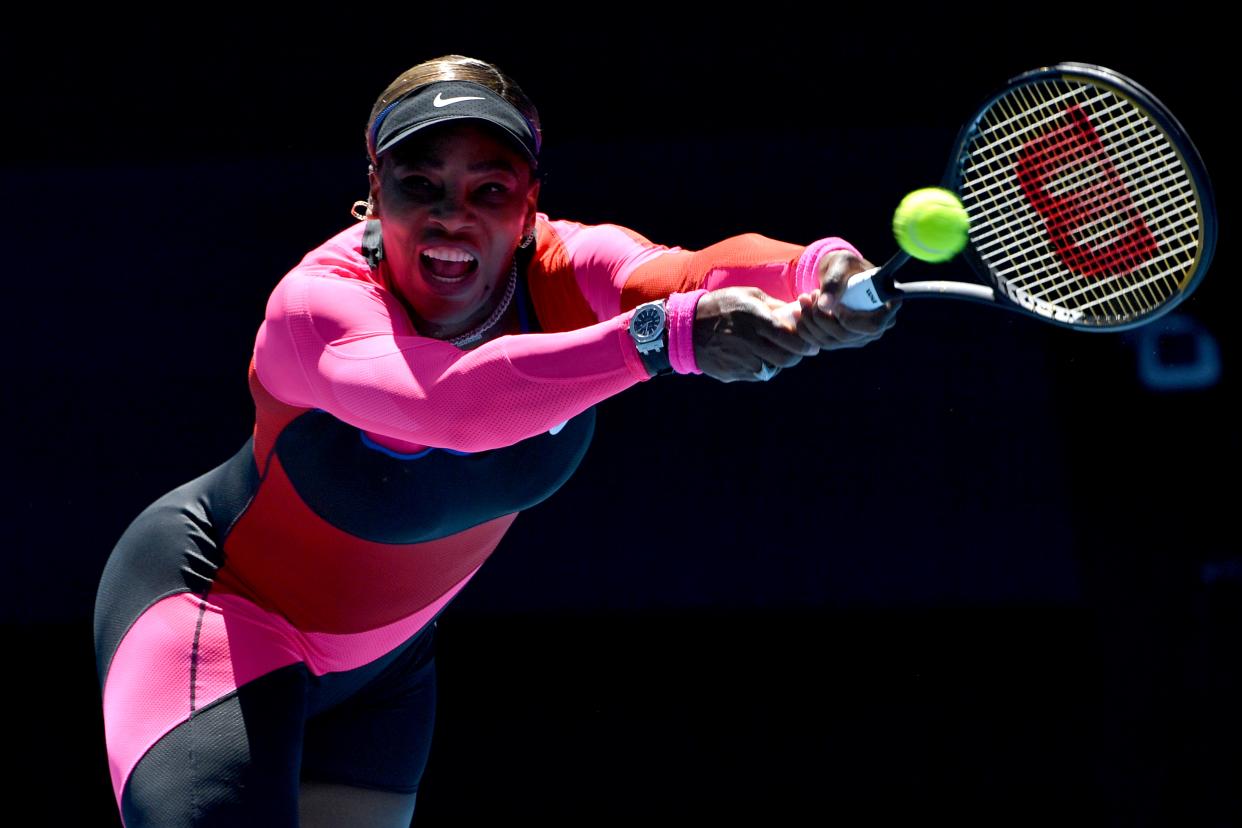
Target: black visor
{"x": 444, "y": 101}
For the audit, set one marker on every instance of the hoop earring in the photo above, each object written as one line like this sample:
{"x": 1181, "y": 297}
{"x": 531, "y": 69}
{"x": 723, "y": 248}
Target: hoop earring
{"x": 361, "y": 209}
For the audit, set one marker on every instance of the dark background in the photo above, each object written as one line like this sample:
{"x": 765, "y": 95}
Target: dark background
{"x": 982, "y": 570}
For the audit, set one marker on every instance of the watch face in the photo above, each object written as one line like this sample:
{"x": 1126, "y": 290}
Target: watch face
{"x": 647, "y": 324}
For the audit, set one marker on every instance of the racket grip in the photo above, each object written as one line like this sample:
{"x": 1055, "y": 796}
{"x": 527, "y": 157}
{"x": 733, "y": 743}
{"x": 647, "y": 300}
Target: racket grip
{"x": 867, "y": 290}
{"x": 872, "y": 288}
{"x": 861, "y": 291}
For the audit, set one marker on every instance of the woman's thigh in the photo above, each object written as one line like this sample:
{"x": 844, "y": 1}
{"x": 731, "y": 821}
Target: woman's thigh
{"x": 360, "y": 738}
{"x": 204, "y": 706}
{"x": 377, "y": 740}
{"x": 206, "y": 719}
{"x": 232, "y": 763}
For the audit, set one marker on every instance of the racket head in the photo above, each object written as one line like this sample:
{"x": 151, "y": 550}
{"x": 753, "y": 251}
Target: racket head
{"x": 1090, "y": 207}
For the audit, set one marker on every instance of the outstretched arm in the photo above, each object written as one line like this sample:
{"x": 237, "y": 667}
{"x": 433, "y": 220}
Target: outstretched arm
{"x": 616, "y": 268}
{"x": 756, "y": 300}
{"x": 333, "y": 341}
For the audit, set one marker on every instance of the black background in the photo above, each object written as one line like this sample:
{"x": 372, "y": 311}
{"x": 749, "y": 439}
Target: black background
{"x": 977, "y": 571}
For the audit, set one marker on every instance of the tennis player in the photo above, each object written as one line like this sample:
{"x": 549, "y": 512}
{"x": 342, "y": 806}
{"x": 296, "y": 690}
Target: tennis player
{"x": 265, "y": 633}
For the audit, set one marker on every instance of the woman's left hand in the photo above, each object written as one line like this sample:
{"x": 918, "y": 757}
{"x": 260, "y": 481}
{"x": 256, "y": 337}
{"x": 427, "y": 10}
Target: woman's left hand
{"x": 742, "y": 333}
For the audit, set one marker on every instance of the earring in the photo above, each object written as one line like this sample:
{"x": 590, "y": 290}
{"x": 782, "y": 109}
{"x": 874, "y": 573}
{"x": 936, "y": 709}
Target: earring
{"x": 361, "y": 209}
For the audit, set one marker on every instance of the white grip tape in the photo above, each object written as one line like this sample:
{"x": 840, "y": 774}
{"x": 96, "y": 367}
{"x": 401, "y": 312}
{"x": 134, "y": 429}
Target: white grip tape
{"x": 860, "y": 291}
{"x": 859, "y": 294}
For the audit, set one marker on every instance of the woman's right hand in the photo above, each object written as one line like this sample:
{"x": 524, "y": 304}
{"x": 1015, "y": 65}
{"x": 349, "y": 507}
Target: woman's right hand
{"x": 739, "y": 330}
{"x": 824, "y": 321}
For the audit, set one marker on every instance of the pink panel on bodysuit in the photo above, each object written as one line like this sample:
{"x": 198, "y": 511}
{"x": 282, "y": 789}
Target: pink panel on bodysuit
{"x": 148, "y": 690}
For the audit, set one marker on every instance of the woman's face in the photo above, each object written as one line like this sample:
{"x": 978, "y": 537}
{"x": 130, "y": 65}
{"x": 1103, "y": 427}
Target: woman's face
{"x": 455, "y": 201}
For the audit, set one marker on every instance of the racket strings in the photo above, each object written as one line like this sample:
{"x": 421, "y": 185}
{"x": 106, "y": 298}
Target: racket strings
{"x": 1055, "y": 280}
{"x": 1127, "y": 299}
{"x": 1078, "y": 201}
{"x": 1001, "y": 145}
{"x": 1155, "y": 160}
{"x": 1154, "y": 139}
{"x": 1075, "y": 136}
{"x": 1090, "y": 187}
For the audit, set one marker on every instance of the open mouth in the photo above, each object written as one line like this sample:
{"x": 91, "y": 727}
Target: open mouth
{"x": 448, "y": 264}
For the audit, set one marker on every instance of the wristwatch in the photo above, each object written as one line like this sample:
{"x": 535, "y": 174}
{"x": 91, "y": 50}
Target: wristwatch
{"x": 649, "y": 329}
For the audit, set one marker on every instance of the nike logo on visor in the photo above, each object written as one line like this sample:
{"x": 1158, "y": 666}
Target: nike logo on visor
{"x": 446, "y": 101}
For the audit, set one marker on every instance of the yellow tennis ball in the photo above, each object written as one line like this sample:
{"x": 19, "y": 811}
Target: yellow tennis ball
{"x": 931, "y": 224}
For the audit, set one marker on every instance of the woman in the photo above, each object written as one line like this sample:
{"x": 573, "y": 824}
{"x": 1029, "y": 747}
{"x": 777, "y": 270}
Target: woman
{"x": 265, "y": 633}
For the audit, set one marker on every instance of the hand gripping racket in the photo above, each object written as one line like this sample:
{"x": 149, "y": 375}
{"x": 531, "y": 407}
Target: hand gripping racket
{"x": 1089, "y": 206}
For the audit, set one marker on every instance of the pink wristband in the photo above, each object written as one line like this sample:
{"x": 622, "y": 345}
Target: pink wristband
{"x": 681, "y": 307}
{"x": 806, "y": 277}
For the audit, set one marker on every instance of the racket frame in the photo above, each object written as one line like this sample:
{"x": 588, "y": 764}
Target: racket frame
{"x": 988, "y": 290}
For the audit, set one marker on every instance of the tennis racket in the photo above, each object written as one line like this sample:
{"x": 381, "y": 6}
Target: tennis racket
{"x": 1089, "y": 206}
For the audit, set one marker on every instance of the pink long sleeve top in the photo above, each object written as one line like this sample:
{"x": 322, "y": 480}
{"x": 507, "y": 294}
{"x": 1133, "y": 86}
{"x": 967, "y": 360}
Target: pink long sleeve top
{"x": 336, "y": 338}
{"x": 388, "y": 465}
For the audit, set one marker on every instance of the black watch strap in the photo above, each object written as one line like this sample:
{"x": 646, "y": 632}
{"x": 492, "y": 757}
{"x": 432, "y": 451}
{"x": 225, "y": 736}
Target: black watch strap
{"x": 655, "y": 359}
{"x": 657, "y": 362}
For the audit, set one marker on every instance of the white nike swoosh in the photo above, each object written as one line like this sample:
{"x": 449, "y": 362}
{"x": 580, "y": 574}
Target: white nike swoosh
{"x": 446, "y": 101}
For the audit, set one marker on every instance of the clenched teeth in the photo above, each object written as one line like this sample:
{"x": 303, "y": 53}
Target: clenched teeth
{"x": 448, "y": 254}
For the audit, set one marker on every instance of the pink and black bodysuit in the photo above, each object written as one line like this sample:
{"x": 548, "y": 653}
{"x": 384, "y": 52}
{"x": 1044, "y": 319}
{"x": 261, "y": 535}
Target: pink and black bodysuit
{"x": 273, "y": 619}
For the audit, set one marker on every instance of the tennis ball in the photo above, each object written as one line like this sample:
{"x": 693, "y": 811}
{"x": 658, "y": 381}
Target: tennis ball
{"x": 931, "y": 224}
